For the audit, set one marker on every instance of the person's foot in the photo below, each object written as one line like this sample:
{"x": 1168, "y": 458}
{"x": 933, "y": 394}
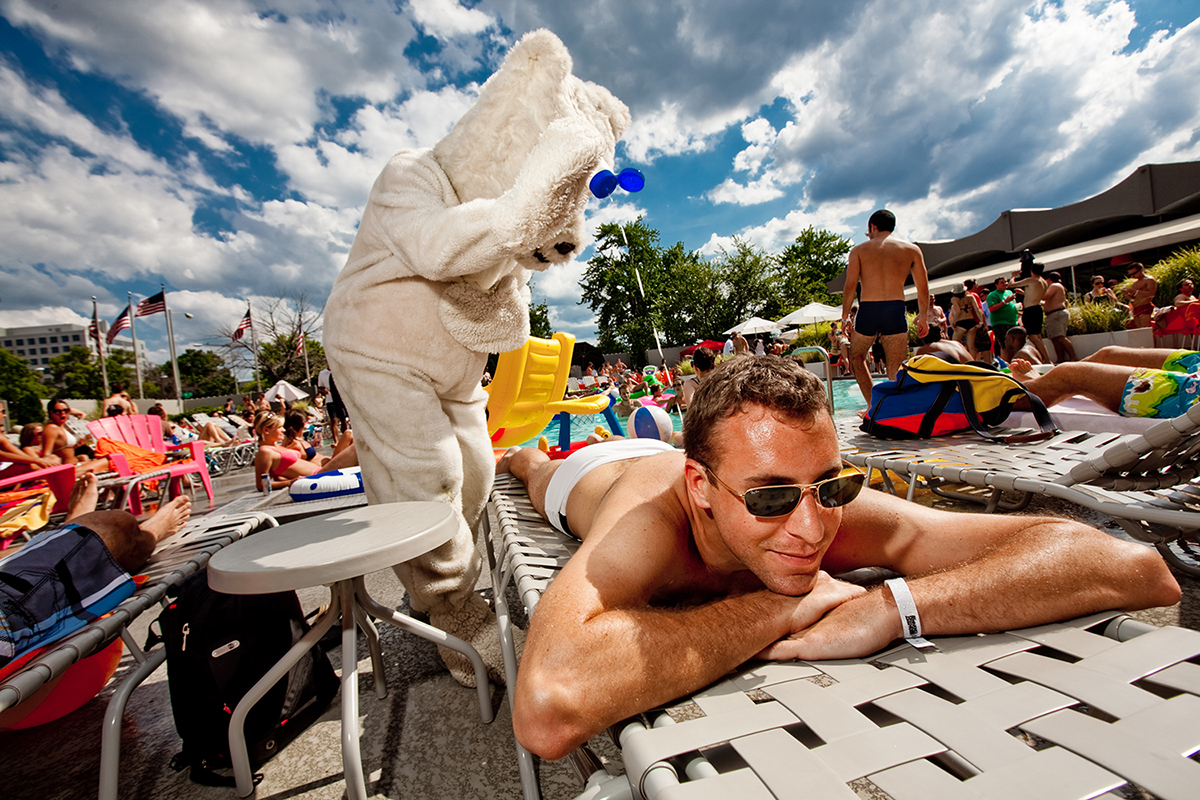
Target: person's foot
{"x": 502, "y": 466}
{"x": 169, "y": 518}
{"x": 84, "y": 497}
{"x": 1022, "y": 370}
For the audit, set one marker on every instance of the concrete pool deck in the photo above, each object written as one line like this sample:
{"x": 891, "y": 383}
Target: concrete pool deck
{"x": 423, "y": 741}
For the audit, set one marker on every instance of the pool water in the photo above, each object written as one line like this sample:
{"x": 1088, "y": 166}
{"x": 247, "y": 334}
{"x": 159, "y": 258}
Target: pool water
{"x": 847, "y": 402}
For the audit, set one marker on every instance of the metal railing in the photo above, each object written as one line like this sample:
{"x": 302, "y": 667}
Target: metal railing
{"x": 824, "y": 354}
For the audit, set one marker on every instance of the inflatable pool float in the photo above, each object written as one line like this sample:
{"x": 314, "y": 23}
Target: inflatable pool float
{"x": 81, "y": 681}
{"x": 324, "y": 485}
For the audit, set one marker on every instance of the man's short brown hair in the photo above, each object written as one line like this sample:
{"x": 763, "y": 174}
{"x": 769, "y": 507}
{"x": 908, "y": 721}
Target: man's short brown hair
{"x": 777, "y": 384}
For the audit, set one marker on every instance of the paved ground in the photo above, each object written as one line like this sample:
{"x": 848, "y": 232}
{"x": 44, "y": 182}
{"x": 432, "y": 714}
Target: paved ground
{"x": 423, "y": 741}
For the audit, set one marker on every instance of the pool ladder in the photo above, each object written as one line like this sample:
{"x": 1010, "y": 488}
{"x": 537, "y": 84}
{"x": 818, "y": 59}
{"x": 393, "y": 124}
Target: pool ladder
{"x": 824, "y": 354}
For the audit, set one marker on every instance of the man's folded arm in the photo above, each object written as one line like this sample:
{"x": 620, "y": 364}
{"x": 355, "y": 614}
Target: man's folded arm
{"x": 981, "y": 573}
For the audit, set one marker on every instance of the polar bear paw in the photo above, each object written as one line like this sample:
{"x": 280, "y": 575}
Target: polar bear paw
{"x": 474, "y": 623}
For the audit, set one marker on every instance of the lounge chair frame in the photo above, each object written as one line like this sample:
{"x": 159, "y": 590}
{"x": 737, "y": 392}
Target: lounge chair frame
{"x": 178, "y": 557}
{"x": 1146, "y": 482}
{"x": 1074, "y": 709}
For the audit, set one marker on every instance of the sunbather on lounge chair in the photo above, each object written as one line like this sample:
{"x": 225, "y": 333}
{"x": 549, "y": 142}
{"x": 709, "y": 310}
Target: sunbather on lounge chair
{"x": 58, "y": 440}
{"x": 284, "y": 464}
{"x": 1133, "y": 382}
{"x": 30, "y": 451}
{"x": 98, "y": 549}
{"x": 692, "y": 564}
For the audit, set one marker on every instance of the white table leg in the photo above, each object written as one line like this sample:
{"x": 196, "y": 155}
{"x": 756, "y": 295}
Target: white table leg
{"x": 435, "y": 635}
{"x": 368, "y": 628}
{"x": 238, "y": 754}
{"x": 356, "y": 788}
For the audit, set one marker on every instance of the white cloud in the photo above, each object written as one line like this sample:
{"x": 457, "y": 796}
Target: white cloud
{"x": 748, "y": 194}
{"x": 47, "y": 315}
{"x": 446, "y": 18}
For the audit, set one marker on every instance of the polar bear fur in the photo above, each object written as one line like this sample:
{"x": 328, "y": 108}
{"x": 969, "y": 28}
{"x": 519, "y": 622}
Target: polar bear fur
{"x": 437, "y": 278}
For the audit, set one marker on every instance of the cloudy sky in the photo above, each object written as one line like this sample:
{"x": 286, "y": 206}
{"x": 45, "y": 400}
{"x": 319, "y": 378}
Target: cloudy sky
{"x": 225, "y": 148}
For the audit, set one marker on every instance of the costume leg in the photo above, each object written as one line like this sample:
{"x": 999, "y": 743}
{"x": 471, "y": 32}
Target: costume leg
{"x": 413, "y": 451}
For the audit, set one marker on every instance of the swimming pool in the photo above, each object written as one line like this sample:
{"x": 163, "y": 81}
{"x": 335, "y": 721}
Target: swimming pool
{"x": 847, "y": 402}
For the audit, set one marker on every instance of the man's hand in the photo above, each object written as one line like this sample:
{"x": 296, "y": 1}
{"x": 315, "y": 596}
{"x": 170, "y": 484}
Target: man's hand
{"x": 864, "y": 625}
{"x": 826, "y": 595}
{"x": 922, "y": 327}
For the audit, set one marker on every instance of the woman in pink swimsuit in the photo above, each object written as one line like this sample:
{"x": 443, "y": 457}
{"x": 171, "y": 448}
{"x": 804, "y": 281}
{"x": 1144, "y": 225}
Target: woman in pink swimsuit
{"x": 284, "y": 464}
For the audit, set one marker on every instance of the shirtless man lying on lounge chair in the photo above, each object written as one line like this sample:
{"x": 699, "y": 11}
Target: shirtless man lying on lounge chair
{"x": 1131, "y": 381}
{"x": 692, "y": 564}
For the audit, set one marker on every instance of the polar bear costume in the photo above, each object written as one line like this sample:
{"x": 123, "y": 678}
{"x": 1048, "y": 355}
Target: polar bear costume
{"x": 437, "y": 278}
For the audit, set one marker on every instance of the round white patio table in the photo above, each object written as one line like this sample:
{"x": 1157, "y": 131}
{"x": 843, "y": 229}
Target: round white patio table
{"x": 337, "y": 550}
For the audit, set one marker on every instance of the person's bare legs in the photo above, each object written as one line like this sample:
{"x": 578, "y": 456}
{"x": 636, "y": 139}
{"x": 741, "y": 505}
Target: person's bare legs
{"x": 1036, "y": 340}
{"x": 533, "y": 468}
{"x": 1148, "y": 357}
{"x": 1101, "y": 383}
{"x": 860, "y": 349}
{"x": 342, "y": 457}
{"x": 130, "y": 543}
{"x": 84, "y": 497}
{"x": 895, "y": 349}
{"x": 169, "y": 518}
{"x": 1064, "y": 349}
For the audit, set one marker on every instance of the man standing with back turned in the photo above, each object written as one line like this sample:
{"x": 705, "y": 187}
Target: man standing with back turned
{"x": 882, "y": 264}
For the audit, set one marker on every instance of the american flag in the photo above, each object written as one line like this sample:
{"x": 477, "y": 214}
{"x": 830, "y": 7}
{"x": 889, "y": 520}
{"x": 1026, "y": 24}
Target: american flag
{"x": 152, "y": 305}
{"x": 94, "y": 331}
{"x": 120, "y": 324}
{"x": 242, "y": 326}
{"x": 300, "y": 343}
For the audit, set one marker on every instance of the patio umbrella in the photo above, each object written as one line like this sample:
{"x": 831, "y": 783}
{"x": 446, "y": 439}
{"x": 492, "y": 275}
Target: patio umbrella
{"x": 709, "y": 343}
{"x": 755, "y": 325}
{"x": 812, "y": 313}
{"x": 285, "y": 391}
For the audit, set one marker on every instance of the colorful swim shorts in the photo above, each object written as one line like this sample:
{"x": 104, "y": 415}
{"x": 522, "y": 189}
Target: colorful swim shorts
{"x": 1159, "y": 394}
{"x": 1183, "y": 361}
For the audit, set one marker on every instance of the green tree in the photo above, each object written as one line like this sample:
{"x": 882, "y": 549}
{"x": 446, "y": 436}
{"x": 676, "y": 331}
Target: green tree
{"x": 803, "y": 268}
{"x": 77, "y": 373}
{"x": 278, "y": 323}
{"x": 20, "y": 387}
{"x": 622, "y": 283}
{"x": 539, "y": 320}
{"x": 203, "y": 373}
{"x": 748, "y": 277}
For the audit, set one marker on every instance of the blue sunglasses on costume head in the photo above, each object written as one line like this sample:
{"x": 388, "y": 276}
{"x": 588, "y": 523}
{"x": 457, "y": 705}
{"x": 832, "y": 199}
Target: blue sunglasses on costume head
{"x": 604, "y": 182}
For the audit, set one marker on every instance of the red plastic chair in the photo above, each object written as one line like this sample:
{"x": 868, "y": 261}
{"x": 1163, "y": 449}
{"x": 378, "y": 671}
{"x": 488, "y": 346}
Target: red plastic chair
{"x": 145, "y": 431}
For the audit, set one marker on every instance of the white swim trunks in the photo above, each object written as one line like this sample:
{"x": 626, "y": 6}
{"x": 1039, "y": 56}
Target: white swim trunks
{"x": 583, "y": 461}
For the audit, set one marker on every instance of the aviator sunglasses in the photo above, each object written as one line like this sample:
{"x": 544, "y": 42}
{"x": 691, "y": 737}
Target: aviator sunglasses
{"x": 776, "y": 501}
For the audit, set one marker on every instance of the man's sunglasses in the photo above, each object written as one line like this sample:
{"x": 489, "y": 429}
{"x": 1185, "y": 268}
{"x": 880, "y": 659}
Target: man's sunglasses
{"x": 776, "y": 501}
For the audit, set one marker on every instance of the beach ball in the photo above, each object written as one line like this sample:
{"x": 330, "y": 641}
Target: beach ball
{"x": 651, "y": 422}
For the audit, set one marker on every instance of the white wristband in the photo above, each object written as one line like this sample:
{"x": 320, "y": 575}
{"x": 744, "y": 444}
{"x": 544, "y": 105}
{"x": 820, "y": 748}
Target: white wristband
{"x": 910, "y": 620}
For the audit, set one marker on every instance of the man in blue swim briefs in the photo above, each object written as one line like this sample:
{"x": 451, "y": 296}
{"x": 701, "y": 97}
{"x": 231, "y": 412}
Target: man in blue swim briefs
{"x": 878, "y": 269}
{"x": 694, "y": 562}
{"x": 1131, "y": 381}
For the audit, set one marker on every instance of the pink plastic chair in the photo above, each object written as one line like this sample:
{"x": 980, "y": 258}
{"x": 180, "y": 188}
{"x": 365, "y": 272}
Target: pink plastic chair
{"x": 60, "y": 479}
{"x": 145, "y": 431}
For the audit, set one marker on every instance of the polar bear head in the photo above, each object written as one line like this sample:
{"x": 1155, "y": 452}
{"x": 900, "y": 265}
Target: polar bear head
{"x": 532, "y": 141}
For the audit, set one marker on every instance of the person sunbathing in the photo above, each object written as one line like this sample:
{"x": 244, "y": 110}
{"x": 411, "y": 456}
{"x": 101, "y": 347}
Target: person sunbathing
{"x": 283, "y": 464}
{"x": 30, "y": 447}
{"x": 694, "y": 562}
{"x": 33, "y": 597}
{"x": 1158, "y": 383}
{"x": 294, "y": 423}
{"x": 58, "y": 440}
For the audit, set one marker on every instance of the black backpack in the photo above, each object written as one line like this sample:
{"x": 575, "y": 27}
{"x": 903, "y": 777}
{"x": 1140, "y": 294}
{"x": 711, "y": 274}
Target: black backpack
{"x": 218, "y": 646}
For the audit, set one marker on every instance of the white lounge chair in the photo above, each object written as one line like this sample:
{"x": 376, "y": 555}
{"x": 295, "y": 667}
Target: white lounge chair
{"x": 1098, "y": 704}
{"x": 1146, "y": 482}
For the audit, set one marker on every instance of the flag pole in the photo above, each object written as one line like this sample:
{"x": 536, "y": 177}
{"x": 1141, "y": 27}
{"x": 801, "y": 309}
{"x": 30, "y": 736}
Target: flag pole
{"x": 137, "y": 362}
{"x": 304, "y": 347}
{"x": 171, "y": 342}
{"x": 100, "y": 346}
{"x": 254, "y": 347}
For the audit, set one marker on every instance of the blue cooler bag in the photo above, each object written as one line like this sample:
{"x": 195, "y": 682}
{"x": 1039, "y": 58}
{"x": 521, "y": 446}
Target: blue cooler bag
{"x": 934, "y": 397}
